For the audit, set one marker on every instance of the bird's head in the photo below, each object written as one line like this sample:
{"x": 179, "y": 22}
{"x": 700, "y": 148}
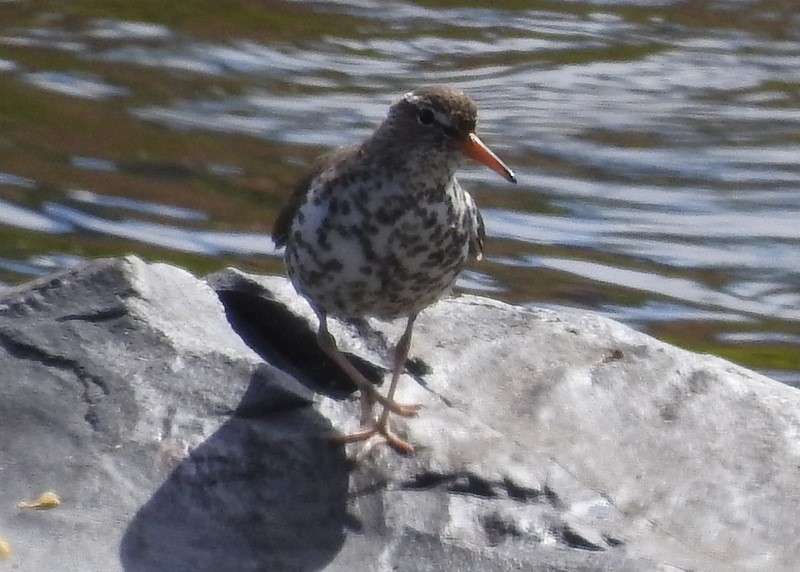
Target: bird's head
{"x": 441, "y": 119}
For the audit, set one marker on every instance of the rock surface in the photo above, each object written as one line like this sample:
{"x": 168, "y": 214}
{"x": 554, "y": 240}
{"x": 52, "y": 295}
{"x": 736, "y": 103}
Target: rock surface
{"x": 548, "y": 441}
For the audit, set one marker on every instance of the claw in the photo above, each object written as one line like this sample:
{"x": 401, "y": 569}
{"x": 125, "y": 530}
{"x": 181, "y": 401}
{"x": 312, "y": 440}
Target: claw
{"x": 385, "y": 433}
{"x": 410, "y": 410}
{"x": 403, "y": 410}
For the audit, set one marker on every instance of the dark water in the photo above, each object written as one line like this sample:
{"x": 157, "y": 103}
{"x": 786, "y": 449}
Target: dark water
{"x": 656, "y": 143}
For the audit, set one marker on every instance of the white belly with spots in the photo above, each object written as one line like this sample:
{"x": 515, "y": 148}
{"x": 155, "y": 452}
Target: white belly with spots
{"x": 386, "y": 255}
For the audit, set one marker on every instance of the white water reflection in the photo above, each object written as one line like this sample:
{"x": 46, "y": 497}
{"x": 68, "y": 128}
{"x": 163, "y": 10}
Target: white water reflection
{"x": 678, "y": 288}
{"x": 73, "y": 84}
{"x": 653, "y": 312}
{"x": 16, "y": 181}
{"x": 111, "y": 29}
{"x": 167, "y": 211}
{"x": 93, "y": 163}
{"x": 167, "y": 236}
{"x": 21, "y": 217}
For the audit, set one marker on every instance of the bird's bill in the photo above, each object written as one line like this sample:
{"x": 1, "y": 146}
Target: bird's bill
{"x": 474, "y": 148}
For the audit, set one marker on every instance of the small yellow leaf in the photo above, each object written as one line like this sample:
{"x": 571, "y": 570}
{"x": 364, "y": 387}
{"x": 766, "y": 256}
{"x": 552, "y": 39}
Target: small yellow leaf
{"x": 45, "y": 500}
{"x": 5, "y": 548}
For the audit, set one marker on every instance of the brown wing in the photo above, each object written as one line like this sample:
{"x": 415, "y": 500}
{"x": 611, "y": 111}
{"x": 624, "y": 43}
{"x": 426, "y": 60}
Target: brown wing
{"x": 283, "y": 222}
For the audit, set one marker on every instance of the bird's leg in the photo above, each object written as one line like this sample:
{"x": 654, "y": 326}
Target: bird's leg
{"x": 400, "y": 357}
{"x": 367, "y": 420}
{"x": 328, "y": 345}
{"x": 381, "y": 427}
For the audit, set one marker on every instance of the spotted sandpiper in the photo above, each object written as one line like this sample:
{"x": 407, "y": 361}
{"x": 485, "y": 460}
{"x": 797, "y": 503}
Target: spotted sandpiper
{"x": 383, "y": 229}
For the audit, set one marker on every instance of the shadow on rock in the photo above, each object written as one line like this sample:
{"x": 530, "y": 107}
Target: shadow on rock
{"x": 267, "y": 491}
{"x": 282, "y": 337}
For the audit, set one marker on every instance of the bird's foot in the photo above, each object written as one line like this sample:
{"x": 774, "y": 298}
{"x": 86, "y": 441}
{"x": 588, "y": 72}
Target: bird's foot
{"x": 376, "y": 434}
{"x": 368, "y": 400}
{"x": 403, "y": 410}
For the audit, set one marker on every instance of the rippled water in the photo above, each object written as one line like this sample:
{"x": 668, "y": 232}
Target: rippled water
{"x": 656, "y": 143}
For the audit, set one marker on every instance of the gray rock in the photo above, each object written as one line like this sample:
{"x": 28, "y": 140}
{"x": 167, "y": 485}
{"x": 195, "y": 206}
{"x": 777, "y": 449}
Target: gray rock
{"x": 548, "y": 441}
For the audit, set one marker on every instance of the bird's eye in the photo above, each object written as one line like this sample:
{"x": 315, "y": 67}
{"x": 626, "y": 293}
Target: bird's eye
{"x": 425, "y": 116}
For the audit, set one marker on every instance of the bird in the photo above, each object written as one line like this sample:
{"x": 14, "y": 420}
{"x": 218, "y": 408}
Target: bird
{"x": 382, "y": 228}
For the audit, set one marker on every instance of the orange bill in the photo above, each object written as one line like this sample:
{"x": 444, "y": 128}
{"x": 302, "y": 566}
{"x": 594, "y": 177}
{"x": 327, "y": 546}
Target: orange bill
{"x": 474, "y": 148}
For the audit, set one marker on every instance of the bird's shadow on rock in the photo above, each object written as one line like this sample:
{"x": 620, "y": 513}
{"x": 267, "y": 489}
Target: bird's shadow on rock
{"x": 281, "y": 337}
{"x": 266, "y": 492}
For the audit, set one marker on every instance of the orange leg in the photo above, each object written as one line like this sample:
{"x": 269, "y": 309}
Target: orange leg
{"x": 328, "y": 345}
{"x": 381, "y": 427}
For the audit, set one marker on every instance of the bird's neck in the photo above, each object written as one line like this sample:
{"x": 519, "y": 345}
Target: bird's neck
{"x": 419, "y": 166}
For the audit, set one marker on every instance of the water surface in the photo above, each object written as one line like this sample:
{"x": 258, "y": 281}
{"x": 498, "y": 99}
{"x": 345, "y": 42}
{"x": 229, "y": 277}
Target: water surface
{"x": 656, "y": 144}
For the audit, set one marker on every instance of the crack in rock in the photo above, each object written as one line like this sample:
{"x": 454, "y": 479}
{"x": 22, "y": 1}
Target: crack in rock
{"x": 581, "y": 537}
{"x": 468, "y": 483}
{"x": 104, "y": 315}
{"x": 94, "y": 388}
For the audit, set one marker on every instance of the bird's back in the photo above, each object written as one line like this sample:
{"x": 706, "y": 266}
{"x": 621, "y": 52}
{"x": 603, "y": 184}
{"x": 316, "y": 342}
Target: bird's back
{"x": 283, "y": 222}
